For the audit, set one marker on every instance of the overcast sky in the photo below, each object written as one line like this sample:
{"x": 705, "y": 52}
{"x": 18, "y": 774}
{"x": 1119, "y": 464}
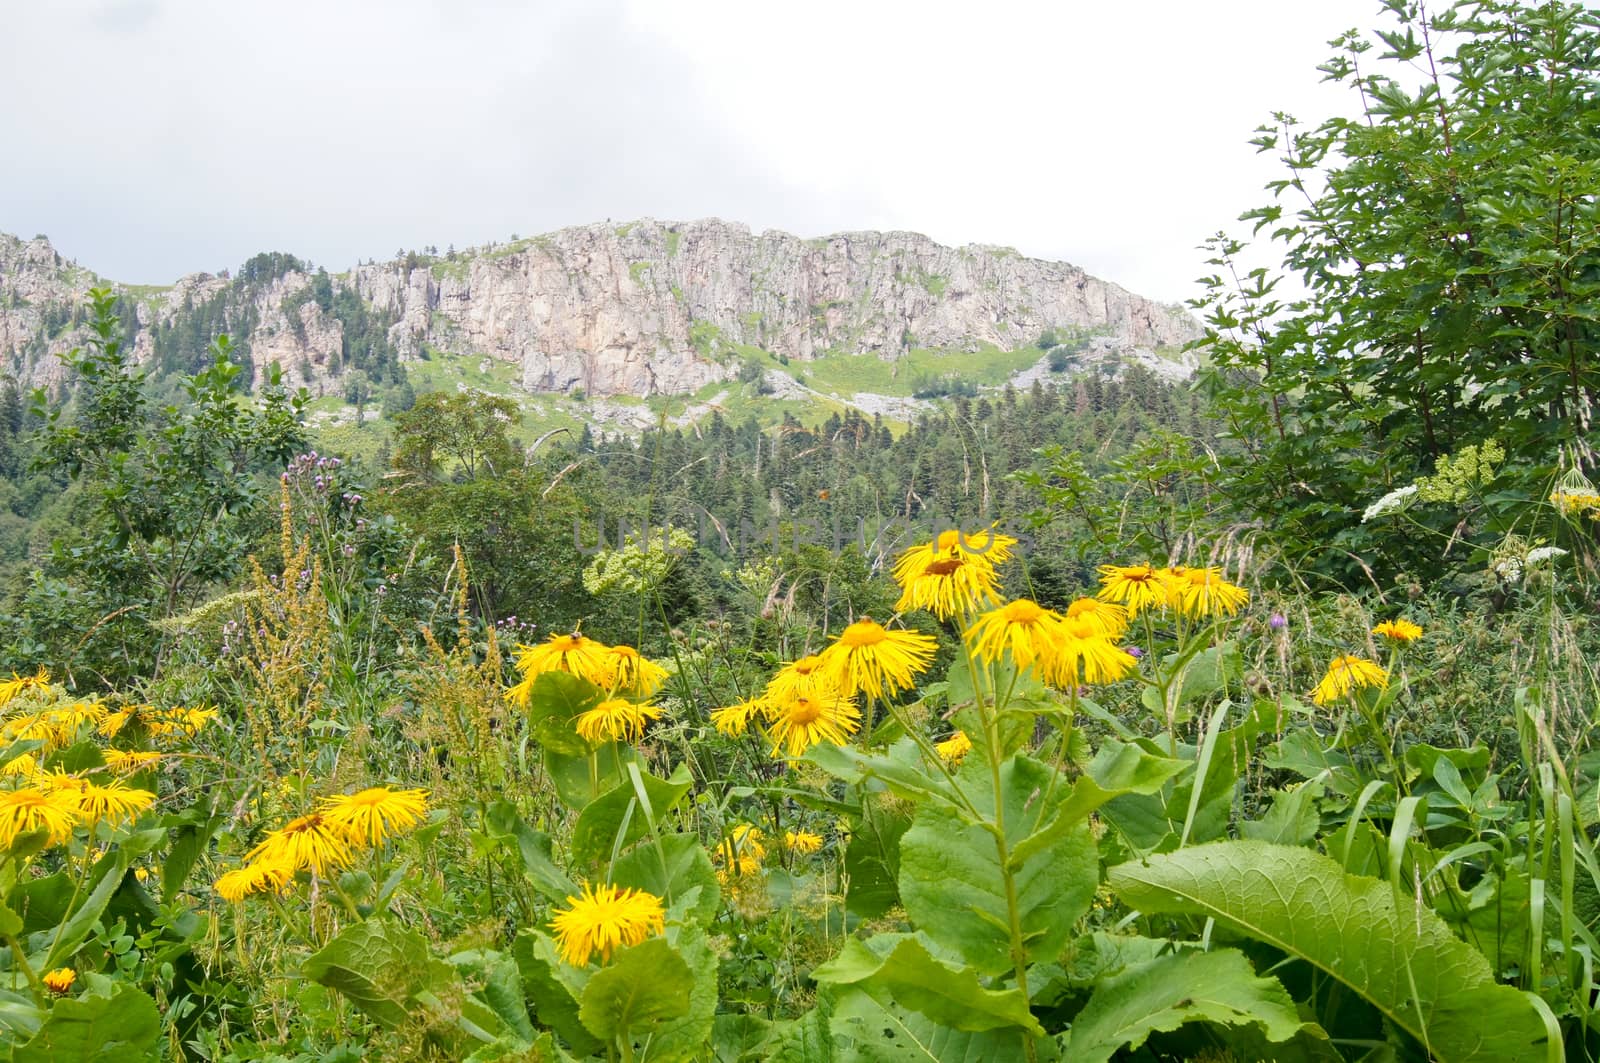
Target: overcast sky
{"x": 154, "y": 138}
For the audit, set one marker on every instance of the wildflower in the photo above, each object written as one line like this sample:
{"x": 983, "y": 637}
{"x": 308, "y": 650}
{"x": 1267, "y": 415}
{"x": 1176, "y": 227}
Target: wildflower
{"x": 603, "y": 919}
{"x": 1346, "y": 674}
{"x": 950, "y": 585}
{"x": 1083, "y": 654}
{"x": 954, "y": 749}
{"x": 1112, "y": 619}
{"x": 18, "y": 683}
{"x": 808, "y": 675}
{"x": 60, "y": 980}
{"x": 24, "y": 765}
{"x": 628, "y": 671}
{"x": 1400, "y": 631}
{"x": 868, "y": 657}
{"x": 126, "y": 762}
{"x": 733, "y": 720}
{"x": 114, "y": 803}
{"x": 807, "y": 720}
{"x": 41, "y": 727}
{"x": 615, "y": 719}
{"x": 256, "y": 876}
{"x": 742, "y": 851}
{"x": 1023, "y": 627}
{"x": 1139, "y": 587}
{"x": 312, "y": 842}
{"x": 1393, "y": 502}
{"x": 179, "y": 721}
{"x": 32, "y": 808}
{"x": 1202, "y": 592}
{"x": 369, "y": 817}
{"x": 985, "y": 547}
{"x": 113, "y": 723}
{"x": 1277, "y": 621}
{"x": 574, "y": 654}
{"x": 1540, "y": 554}
{"x": 802, "y": 841}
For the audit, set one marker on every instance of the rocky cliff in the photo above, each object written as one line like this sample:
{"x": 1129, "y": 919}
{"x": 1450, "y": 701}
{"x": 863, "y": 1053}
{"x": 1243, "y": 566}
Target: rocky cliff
{"x": 643, "y": 308}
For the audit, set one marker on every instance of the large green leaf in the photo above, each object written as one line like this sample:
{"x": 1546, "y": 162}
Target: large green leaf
{"x": 679, "y": 872}
{"x": 535, "y": 848}
{"x": 554, "y": 704}
{"x": 616, "y": 819}
{"x": 902, "y": 967}
{"x": 899, "y": 768}
{"x": 950, "y": 868}
{"x": 1403, "y": 960}
{"x": 580, "y": 779}
{"x": 872, "y": 859}
{"x": 642, "y": 987}
{"x": 1174, "y": 989}
{"x": 381, "y": 968}
{"x": 552, "y": 989}
{"x": 686, "y": 1037}
{"x": 122, "y": 1027}
{"x": 869, "y": 1030}
{"x": 501, "y": 1009}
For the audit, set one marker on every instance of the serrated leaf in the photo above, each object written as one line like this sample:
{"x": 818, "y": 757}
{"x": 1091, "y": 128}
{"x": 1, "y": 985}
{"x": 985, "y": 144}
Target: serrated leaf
{"x": 549, "y": 986}
{"x": 380, "y": 967}
{"x": 643, "y": 986}
{"x": 122, "y": 1027}
{"x": 1349, "y": 927}
{"x": 950, "y": 996}
{"x": 1171, "y": 990}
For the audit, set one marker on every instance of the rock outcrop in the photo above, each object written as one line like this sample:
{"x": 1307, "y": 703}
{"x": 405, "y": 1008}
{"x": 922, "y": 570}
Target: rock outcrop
{"x": 639, "y": 309}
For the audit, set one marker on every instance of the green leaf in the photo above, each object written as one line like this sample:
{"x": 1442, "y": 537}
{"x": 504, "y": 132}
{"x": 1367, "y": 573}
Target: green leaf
{"x": 575, "y": 784}
{"x": 900, "y": 769}
{"x": 872, "y": 859}
{"x": 1171, "y": 990}
{"x": 499, "y": 988}
{"x": 685, "y": 1038}
{"x": 380, "y": 968}
{"x": 642, "y": 986}
{"x": 902, "y": 967}
{"x": 92, "y": 1029}
{"x": 549, "y": 986}
{"x": 950, "y": 871}
{"x": 1405, "y": 962}
{"x": 740, "y": 1038}
{"x": 1293, "y": 819}
{"x": 554, "y": 704}
{"x": 687, "y": 876}
{"x": 615, "y": 819}
{"x": 502, "y": 821}
{"x": 1202, "y": 675}
{"x": 881, "y": 1032}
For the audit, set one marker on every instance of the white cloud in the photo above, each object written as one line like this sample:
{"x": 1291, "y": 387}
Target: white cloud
{"x": 157, "y": 137}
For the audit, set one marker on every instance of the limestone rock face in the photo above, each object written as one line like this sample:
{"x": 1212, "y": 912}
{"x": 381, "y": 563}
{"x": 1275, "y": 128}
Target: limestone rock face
{"x": 638, "y": 309}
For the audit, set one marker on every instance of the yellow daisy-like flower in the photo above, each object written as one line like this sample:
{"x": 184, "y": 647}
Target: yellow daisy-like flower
{"x": 1111, "y": 619}
{"x": 113, "y": 722}
{"x": 32, "y": 808}
{"x": 808, "y": 675}
{"x": 604, "y": 919}
{"x": 986, "y": 547}
{"x": 951, "y": 585}
{"x": 369, "y": 817}
{"x": 128, "y": 761}
{"x": 867, "y": 657}
{"x": 734, "y": 720}
{"x": 60, "y": 980}
{"x": 1083, "y": 655}
{"x": 804, "y": 721}
{"x": 166, "y": 723}
{"x": 742, "y": 851}
{"x": 1401, "y": 631}
{"x": 1347, "y": 674}
{"x": 1202, "y": 592}
{"x": 312, "y": 842}
{"x": 42, "y": 727}
{"x": 257, "y": 876}
{"x": 802, "y": 841}
{"x": 615, "y": 720}
{"x": 1024, "y": 628}
{"x": 18, "y": 683}
{"x": 1139, "y": 587}
{"x": 1576, "y": 503}
{"x": 954, "y": 749}
{"x": 23, "y": 765}
{"x": 630, "y": 672}
{"x": 574, "y": 654}
{"x": 114, "y": 803}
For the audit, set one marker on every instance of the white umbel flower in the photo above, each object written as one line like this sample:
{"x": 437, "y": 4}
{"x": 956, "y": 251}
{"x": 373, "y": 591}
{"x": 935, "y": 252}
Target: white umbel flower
{"x": 1540, "y": 554}
{"x": 1393, "y": 502}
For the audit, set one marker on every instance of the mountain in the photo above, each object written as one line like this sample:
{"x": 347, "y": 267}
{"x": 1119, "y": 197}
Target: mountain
{"x": 647, "y": 308}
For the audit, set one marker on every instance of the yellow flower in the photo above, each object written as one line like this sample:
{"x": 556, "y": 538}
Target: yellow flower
{"x": 1401, "y": 631}
{"x": 126, "y": 762}
{"x": 312, "y": 842}
{"x": 574, "y": 654}
{"x": 604, "y": 919}
{"x": 1111, "y": 619}
{"x": 954, "y": 749}
{"x": 18, "y": 683}
{"x": 1139, "y": 587}
{"x": 802, "y": 841}
{"x": 42, "y": 727}
{"x": 808, "y": 675}
{"x": 629, "y": 672}
{"x": 369, "y": 817}
{"x": 1083, "y": 654}
{"x": 1571, "y": 503}
{"x": 985, "y": 547}
{"x": 867, "y": 657}
{"x": 59, "y": 981}
{"x": 615, "y": 719}
{"x": 742, "y": 851}
{"x": 1346, "y": 674}
{"x": 113, "y": 723}
{"x": 114, "y": 803}
{"x": 256, "y": 876}
{"x": 733, "y": 720}
{"x": 950, "y": 585}
{"x": 179, "y": 721}
{"x": 24, "y": 765}
{"x": 30, "y": 809}
{"x": 804, "y": 721}
{"x": 1026, "y": 629}
{"x": 1202, "y": 592}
